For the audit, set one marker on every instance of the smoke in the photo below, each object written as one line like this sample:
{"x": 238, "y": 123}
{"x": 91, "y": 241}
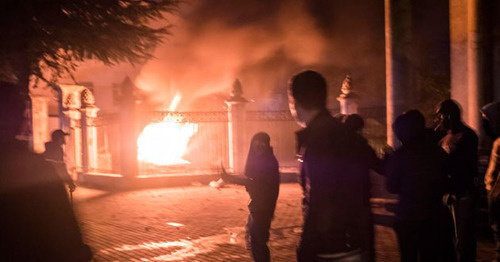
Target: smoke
{"x": 263, "y": 43}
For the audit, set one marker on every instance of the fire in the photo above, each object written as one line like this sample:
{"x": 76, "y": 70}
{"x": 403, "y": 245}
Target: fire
{"x": 164, "y": 143}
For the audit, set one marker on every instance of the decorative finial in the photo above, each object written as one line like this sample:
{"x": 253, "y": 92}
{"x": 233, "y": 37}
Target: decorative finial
{"x": 237, "y": 92}
{"x": 347, "y": 85}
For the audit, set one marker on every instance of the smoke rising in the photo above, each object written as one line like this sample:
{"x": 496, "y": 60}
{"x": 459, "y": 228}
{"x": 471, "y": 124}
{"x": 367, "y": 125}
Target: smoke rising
{"x": 262, "y": 43}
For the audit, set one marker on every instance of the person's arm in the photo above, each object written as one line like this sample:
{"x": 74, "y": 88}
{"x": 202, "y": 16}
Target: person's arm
{"x": 234, "y": 179}
{"x": 493, "y": 166}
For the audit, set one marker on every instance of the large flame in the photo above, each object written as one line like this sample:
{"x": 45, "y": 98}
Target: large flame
{"x": 164, "y": 143}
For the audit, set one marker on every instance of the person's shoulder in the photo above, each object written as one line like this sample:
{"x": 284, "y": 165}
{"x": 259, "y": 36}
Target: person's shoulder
{"x": 469, "y": 132}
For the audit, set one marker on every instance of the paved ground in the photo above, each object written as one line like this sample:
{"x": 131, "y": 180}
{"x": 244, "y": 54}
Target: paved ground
{"x": 196, "y": 223}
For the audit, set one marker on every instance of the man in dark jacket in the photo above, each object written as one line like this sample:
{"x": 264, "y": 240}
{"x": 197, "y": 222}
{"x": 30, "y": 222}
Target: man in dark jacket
{"x": 54, "y": 154}
{"x": 461, "y": 144}
{"x": 336, "y": 224}
{"x": 37, "y": 222}
{"x": 417, "y": 173}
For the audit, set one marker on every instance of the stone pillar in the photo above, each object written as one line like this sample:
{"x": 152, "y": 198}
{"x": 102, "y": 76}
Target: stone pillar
{"x": 74, "y": 117}
{"x": 40, "y": 110}
{"x": 397, "y": 41}
{"x": 128, "y": 131}
{"x": 475, "y": 64}
{"x": 348, "y": 99}
{"x": 89, "y": 138}
{"x": 236, "y": 128}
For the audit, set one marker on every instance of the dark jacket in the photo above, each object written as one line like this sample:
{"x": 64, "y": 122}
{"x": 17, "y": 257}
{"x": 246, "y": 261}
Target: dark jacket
{"x": 37, "y": 221}
{"x": 261, "y": 180}
{"x": 461, "y": 147}
{"x": 417, "y": 172}
{"x": 335, "y": 164}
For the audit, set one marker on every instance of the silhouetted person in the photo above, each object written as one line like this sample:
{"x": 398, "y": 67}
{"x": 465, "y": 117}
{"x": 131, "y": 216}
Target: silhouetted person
{"x": 333, "y": 174}
{"x": 54, "y": 153}
{"x": 417, "y": 172}
{"x": 461, "y": 144}
{"x": 491, "y": 124}
{"x": 261, "y": 180}
{"x": 36, "y": 222}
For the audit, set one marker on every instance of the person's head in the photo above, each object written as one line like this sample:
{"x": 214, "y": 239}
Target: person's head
{"x": 58, "y": 136}
{"x": 261, "y": 143}
{"x": 306, "y": 94}
{"x": 448, "y": 114}
{"x": 354, "y": 122}
{"x": 12, "y": 111}
{"x": 491, "y": 119}
{"x": 409, "y": 126}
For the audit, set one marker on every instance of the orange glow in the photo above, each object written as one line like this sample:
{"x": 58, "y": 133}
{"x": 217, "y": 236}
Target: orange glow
{"x": 164, "y": 143}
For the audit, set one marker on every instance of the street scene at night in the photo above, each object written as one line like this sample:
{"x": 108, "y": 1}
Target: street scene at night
{"x": 250, "y": 130}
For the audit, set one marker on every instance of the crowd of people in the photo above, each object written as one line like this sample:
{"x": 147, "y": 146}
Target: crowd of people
{"x": 433, "y": 172}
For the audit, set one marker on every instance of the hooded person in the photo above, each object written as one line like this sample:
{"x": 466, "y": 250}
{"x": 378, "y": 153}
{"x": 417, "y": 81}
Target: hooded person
{"x": 261, "y": 180}
{"x": 491, "y": 124}
{"x": 37, "y": 221}
{"x": 417, "y": 172}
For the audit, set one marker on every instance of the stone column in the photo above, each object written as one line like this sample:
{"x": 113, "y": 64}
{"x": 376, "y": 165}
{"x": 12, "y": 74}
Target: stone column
{"x": 89, "y": 138}
{"x": 475, "y": 64}
{"x": 40, "y": 110}
{"x": 397, "y": 41}
{"x": 236, "y": 128}
{"x": 348, "y": 99}
{"x": 128, "y": 131}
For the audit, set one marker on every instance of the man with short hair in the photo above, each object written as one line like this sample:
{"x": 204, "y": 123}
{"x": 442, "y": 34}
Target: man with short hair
{"x": 334, "y": 165}
{"x": 54, "y": 153}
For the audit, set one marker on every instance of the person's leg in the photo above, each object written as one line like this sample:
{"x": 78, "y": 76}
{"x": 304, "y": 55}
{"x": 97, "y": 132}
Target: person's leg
{"x": 259, "y": 236}
{"x": 466, "y": 236}
{"x": 406, "y": 232}
{"x": 429, "y": 240}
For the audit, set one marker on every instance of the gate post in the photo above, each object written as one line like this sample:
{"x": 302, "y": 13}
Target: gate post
{"x": 236, "y": 128}
{"x": 89, "y": 131}
{"x": 128, "y": 131}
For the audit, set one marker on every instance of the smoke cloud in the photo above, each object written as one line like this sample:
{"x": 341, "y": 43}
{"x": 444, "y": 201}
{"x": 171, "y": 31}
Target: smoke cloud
{"x": 263, "y": 43}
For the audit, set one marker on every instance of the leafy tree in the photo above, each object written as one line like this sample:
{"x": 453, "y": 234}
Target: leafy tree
{"x": 45, "y": 39}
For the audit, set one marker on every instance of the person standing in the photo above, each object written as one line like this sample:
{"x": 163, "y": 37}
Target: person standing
{"x": 417, "y": 172}
{"x": 332, "y": 173}
{"x": 261, "y": 180}
{"x": 54, "y": 153}
{"x": 491, "y": 123}
{"x": 37, "y": 221}
{"x": 461, "y": 144}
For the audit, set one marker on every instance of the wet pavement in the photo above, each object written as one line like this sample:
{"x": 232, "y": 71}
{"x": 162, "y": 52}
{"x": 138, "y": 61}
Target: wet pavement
{"x": 197, "y": 223}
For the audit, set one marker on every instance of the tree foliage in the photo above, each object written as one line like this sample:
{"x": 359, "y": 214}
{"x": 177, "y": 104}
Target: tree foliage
{"x": 47, "y": 38}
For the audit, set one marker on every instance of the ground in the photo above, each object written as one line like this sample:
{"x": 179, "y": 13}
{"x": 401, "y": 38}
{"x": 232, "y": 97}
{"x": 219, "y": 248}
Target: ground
{"x": 197, "y": 223}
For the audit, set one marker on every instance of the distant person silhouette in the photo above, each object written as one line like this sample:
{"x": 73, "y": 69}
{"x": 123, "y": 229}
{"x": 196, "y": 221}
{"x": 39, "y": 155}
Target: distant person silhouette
{"x": 491, "y": 124}
{"x": 261, "y": 180}
{"x": 37, "y": 222}
{"x": 54, "y": 153}
{"x": 417, "y": 172}
{"x": 334, "y": 170}
{"x": 461, "y": 144}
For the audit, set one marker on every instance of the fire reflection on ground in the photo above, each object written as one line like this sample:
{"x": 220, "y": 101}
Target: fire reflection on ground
{"x": 185, "y": 248}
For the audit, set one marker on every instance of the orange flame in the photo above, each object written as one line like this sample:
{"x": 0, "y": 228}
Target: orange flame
{"x": 164, "y": 143}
